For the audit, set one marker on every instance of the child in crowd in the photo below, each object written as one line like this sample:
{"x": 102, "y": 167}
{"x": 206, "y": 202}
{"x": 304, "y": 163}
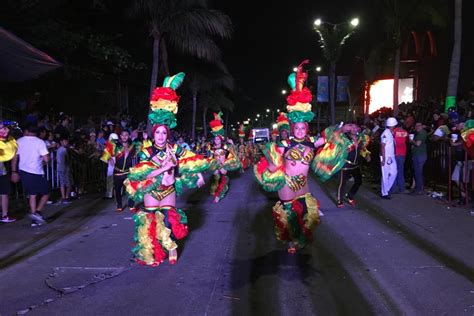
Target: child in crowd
{"x": 64, "y": 170}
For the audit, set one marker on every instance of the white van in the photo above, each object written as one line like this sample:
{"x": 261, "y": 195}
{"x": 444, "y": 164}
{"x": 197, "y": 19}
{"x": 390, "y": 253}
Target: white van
{"x": 260, "y": 135}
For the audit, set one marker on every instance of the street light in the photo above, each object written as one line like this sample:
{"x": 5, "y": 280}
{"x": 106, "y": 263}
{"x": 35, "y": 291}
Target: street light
{"x": 332, "y": 37}
{"x": 258, "y": 115}
{"x": 318, "y": 69}
{"x": 283, "y": 91}
{"x": 295, "y": 69}
{"x": 268, "y": 110}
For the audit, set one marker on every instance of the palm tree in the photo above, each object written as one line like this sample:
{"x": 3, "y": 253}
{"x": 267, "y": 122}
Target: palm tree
{"x": 331, "y": 40}
{"x": 455, "y": 57}
{"x": 204, "y": 77}
{"x": 399, "y": 18}
{"x": 189, "y": 26}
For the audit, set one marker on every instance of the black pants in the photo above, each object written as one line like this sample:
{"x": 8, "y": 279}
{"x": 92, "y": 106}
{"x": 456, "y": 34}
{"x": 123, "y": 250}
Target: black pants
{"x": 118, "y": 185}
{"x": 344, "y": 176}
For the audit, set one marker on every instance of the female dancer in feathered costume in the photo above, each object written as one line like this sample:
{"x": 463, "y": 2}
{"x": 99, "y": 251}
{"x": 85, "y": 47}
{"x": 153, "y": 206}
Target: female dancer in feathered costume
{"x": 153, "y": 181}
{"x": 224, "y": 159}
{"x": 283, "y": 126}
{"x": 284, "y": 168}
{"x": 242, "y": 150}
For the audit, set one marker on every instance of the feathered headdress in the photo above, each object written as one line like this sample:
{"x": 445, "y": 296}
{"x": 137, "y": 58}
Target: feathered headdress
{"x": 299, "y": 100}
{"x": 282, "y": 122}
{"x": 216, "y": 125}
{"x": 164, "y": 101}
{"x": 275, "y": 132}
{"x": 241, "y": 131}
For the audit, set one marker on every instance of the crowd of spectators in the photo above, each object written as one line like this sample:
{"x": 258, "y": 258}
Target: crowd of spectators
{"x": 421, "y": 125}
{"x": 431, "y": 145}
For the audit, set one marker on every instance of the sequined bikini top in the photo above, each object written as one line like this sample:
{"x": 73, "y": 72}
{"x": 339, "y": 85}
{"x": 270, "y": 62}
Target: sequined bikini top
{"x": 297, "y": 153}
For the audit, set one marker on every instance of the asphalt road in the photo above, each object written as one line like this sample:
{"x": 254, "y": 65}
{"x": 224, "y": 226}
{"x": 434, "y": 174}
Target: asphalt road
{"x": 230, "y": 264}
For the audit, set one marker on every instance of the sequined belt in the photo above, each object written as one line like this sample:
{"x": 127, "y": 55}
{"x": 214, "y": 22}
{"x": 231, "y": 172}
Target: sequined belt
{"x": 295, "y": 182}
{"x": 162, "y": 191}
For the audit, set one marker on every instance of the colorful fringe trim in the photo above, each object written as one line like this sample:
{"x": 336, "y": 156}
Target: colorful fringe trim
{"x": 295, "y": 220}
{"x": 232, "y": 162}
{"x": 270, "y": 181}
{"x": 219, "y": 186}
{"x": 332, "y": 157}
{"x": 155, "y": 232}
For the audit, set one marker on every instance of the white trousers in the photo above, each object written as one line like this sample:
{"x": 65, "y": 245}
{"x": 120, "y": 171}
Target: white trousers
{"x": 389, "y": 174}
{"x": 109, "y": 184}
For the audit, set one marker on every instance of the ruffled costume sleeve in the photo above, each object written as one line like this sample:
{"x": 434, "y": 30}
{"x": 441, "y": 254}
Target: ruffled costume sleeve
{"x": 270, "y": 180}
{"x": 189, "y": 164}
{"x": 332, "y": 157}
{"x": 232, "y": 162}
{"x": 137, "y": 184}
{"x": 109, "y": 151}
{"x": 145, "y": 144}
{"x": 365, "y": 141}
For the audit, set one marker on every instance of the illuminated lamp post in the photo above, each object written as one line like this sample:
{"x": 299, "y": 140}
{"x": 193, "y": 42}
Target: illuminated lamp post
{"x": 332, "y": 37}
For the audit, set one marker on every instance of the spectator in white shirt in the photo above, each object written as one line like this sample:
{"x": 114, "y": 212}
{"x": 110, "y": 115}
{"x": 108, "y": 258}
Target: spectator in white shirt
{"x": 387, "y": 157}
{"x": 32, "y": 154}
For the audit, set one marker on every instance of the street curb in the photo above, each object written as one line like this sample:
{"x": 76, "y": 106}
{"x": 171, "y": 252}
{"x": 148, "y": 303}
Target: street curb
{"x": 50, "y": 235}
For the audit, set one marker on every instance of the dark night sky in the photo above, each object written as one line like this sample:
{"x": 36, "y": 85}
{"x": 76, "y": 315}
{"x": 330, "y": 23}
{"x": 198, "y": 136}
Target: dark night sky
{"x": 270, "y": 39}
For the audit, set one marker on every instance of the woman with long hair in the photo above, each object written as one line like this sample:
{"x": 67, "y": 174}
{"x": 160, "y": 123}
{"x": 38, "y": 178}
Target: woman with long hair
{"x": 154, "y": 181}
{"x": 223, "y": 159}
{"x": 284, "y": 168}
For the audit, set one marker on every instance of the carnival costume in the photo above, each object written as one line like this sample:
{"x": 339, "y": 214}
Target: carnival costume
{"x": 114, "y": 148}
{"x": 158, "y": 228}
{"x": 331, "y": 158}
{"x": 283, "y": 124}
{"x": 242, "y": 149}
{"x": 294, "y": 219}
{"x": 354, "y": 148}
{"x": 223, "y": 159}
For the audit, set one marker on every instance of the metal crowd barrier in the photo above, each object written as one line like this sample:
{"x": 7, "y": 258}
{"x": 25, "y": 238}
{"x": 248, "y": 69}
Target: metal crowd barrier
{"x": 86, "y": 171}
{"x": 438, "y": 169}
{"x": 438, "y": 164}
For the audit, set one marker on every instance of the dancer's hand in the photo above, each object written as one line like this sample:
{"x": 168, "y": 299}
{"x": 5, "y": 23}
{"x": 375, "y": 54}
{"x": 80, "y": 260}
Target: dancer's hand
{"x": 169, "y": 164}
{"x": 200, "y": 181}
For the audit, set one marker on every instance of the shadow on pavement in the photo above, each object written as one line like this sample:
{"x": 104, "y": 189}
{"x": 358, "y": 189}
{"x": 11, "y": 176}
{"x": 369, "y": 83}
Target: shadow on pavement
{"x": 50, "y": 235}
